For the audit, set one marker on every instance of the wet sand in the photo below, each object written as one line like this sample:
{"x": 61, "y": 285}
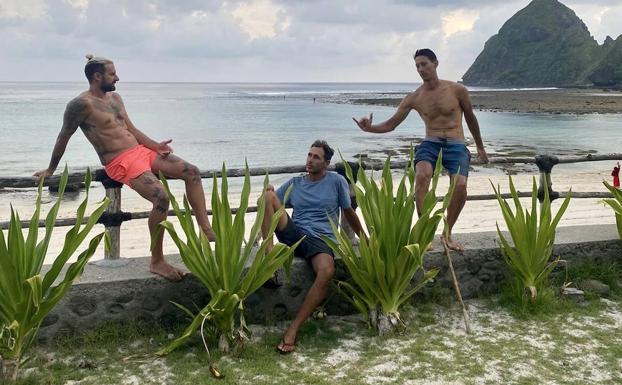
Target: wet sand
{"x": 558, "y": 101}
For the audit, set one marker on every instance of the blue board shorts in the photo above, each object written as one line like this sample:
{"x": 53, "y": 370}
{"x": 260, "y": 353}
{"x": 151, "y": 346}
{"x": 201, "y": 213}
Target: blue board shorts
{"x": 308, "y": 248}
{"x": 456, "y": 156}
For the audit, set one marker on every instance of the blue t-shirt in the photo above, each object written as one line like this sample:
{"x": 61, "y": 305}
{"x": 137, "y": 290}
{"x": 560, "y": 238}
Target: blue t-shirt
{"x": 314, "y": 202}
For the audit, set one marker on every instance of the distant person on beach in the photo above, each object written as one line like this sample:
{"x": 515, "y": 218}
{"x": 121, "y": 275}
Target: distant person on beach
{"x": 129, "y": 156}
{"x": 616, "y": 175}
{"x": 441, "y": 104}
{"x": 315, "y": 196}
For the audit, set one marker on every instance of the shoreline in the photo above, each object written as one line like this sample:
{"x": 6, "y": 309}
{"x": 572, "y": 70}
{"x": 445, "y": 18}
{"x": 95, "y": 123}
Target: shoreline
{"x": 556, "y": 101}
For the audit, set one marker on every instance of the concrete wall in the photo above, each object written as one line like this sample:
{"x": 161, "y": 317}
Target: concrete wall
{"x": 130, "y": 292}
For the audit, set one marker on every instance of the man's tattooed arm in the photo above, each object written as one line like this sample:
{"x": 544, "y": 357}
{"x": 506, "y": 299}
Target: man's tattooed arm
{"x": 75, "y": 113}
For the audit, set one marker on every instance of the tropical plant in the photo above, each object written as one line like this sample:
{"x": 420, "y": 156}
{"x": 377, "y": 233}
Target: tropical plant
{"x": 26, "y": 296}
{"x": 616, "y": 204}
{"x": 533, "y": 237}
{"x": 223, "y": 270}
{"x": 386, "y": 262}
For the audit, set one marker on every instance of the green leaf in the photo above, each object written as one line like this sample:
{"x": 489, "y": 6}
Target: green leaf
{"x": 384, "y": 265}
{"x": 224, "y": 270}
{"x": 26, "y": 297}
{"x": 532, "y": 232}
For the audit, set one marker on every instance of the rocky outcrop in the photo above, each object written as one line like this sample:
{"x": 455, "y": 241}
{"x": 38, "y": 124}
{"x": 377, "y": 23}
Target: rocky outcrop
{"x": 609, "y": 72}
{"x": 545, "y": 44}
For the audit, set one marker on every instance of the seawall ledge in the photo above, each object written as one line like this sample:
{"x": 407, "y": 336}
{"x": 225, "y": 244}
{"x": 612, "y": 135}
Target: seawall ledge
{"x": 130, "y": 292}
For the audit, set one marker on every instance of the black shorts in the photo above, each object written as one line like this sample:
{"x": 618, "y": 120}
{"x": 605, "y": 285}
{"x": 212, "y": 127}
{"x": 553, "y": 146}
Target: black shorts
{"x": 308, "y": 248}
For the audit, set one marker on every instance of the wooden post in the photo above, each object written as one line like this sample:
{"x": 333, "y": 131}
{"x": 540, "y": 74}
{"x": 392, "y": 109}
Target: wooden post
{"x": 545, "y": 164}
{"x": 112, "y": 256}
{"x": 114, "y": 194}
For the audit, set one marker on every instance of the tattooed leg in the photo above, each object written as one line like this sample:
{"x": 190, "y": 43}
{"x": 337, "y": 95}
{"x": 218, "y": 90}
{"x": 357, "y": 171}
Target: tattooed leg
{"x": 173, "y": 166}
{"x": 150, "y": 188}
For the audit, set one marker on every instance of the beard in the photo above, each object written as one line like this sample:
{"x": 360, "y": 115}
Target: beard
{"x": 108, "y": 87}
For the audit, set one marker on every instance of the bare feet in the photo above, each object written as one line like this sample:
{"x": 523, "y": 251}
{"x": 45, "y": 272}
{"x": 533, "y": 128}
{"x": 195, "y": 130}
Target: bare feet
{"x": 286, "y": 346}
{"x": 162, "y": 268}
{"x": 451, "y": 244}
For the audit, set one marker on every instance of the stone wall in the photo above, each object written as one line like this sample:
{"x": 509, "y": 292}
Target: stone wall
{"x": 131, "y": 293}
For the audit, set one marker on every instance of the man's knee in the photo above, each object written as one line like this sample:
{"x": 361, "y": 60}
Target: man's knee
{"x": 422, "y": 180}
{"x": 191, "y": 172}
{"x": 423, "y": 174}
{"x": 160, "y": 201}
{"x": 460, "y": 182}
{"x": 326, "y": 271}
{"x": 270, "y": 197}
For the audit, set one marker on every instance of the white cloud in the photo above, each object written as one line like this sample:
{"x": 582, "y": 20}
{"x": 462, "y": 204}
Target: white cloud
{"x": 460, "y": 20}
{"x": 22, "y": 9}
{"x": 601, "y": 20}
{"x": 261, "y": 18}
{"x": 82, "y": 5}
{"x": 259, "y": 40}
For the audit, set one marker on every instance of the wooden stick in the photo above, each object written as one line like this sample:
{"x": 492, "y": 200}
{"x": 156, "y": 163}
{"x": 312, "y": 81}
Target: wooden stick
{"x": 465, "y": 314}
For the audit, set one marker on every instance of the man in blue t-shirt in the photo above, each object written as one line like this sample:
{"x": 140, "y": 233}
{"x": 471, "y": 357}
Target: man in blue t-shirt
{"x": 315, "y": 196}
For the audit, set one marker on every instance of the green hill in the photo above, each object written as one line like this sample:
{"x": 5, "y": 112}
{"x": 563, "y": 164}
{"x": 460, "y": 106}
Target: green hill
{"x": 545, "y": 44}
{"x": 609, "y": 72}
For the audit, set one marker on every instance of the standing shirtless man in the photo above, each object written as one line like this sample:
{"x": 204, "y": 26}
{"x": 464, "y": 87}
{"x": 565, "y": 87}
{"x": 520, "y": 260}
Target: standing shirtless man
{"x": 129, "y": 156}
{"x": 441, "y": 104}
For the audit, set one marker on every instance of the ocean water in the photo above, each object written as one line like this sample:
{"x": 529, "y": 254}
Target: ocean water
{"x": 264, "y": 124}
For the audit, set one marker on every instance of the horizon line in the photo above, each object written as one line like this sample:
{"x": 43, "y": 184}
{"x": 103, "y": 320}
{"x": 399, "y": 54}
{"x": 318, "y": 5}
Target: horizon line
{"x": 203, "y": 82}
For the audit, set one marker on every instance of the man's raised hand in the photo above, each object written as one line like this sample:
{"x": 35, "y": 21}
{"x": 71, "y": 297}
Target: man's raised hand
{"x": 365, "y": 122}
{"x": 164, "y": 149}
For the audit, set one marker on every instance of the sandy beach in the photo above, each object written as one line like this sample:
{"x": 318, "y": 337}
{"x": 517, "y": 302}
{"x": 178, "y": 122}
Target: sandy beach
{"x": 554, "y": 101}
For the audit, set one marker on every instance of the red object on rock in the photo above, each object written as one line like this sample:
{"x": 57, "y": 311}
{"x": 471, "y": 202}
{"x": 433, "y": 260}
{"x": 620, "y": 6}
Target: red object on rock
{"x": 616, "y": 176}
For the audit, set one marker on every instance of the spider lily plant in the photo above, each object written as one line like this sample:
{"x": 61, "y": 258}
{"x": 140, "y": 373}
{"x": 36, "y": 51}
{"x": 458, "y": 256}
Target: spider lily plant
{"x": 224, "y": 270}
{"x": 386, "y": 262}
{"x": 533, "y": 237}
{"x": 27, "y": 296}
{"x": 616, "y": 204}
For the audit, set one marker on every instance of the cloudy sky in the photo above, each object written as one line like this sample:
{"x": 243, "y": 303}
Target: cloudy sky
{"x": 259, "y": 40}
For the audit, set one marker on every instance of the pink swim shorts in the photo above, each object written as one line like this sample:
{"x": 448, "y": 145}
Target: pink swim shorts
{"x": 131, "y": 164}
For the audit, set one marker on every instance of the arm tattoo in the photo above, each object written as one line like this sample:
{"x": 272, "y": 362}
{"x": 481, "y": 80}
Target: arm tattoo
{"x": 75, "y": 113}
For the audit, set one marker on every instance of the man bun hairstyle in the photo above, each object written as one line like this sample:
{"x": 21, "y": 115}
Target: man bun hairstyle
{"x": 427, "y": 53}
{"x": 328, "y": 151}
{"x": 95, "y": 64}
